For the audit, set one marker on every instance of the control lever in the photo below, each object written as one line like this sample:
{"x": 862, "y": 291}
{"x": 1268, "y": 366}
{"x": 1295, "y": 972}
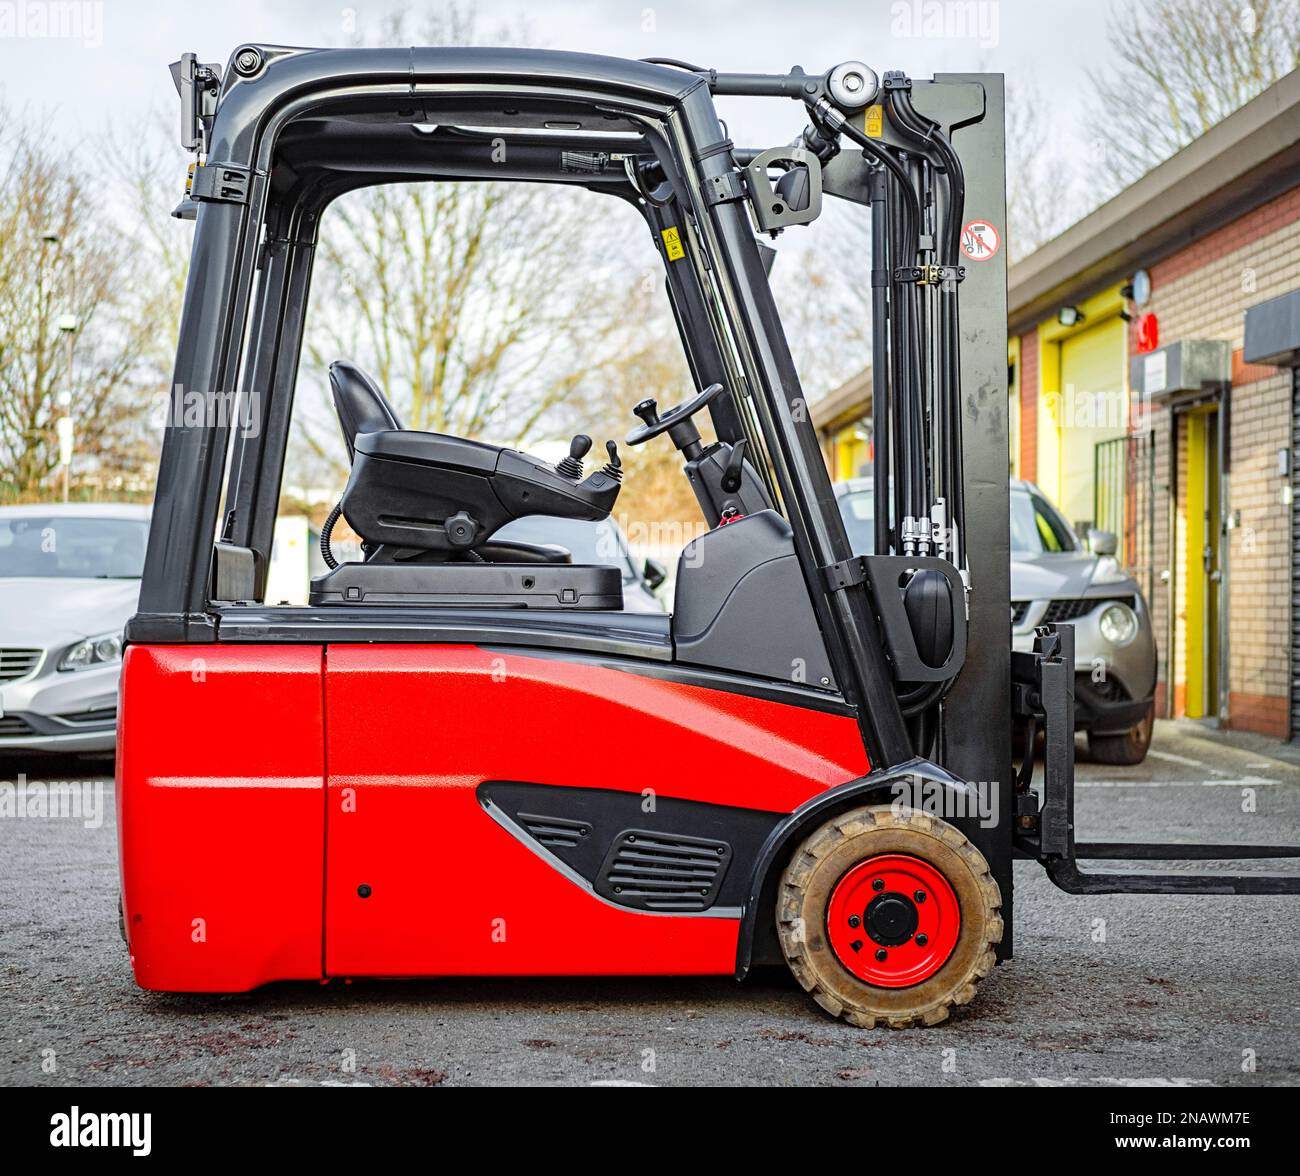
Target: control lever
{"x": 571, "y": 466}
{"x": 614, "y": 467}
{"x": 732, "y": 475}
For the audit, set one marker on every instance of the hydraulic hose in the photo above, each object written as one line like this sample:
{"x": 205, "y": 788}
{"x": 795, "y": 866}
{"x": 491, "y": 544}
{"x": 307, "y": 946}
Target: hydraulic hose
{"x": 837, "y": 123}
{"x": 908, "y": 421}
{"x": 906, "y": 316}
{"x": 929, "y": 135}
{"x": 326, "y": 554}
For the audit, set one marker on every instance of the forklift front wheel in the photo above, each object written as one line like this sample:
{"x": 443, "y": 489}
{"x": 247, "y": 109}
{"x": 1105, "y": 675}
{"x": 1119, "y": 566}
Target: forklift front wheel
{"x": 897, "y": 959}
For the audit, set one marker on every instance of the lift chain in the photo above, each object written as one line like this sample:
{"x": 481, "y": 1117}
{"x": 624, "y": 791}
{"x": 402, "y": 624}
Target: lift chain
{"x": 930, "y": 275}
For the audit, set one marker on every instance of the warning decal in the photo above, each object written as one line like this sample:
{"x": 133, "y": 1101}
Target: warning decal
{"x": 672, "y": 243}
{"x": 980, "y": 240}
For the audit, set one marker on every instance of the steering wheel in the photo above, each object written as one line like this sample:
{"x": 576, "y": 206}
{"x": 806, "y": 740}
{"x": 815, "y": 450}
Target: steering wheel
{"x": 655, "y": 424}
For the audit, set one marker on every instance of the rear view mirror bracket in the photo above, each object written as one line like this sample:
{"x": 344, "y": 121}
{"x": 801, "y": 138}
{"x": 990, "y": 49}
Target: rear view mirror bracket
{"x": 777, "y": 206}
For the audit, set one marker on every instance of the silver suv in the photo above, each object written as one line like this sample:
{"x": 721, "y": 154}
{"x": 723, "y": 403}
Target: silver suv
{"x": 1057, "y": 577}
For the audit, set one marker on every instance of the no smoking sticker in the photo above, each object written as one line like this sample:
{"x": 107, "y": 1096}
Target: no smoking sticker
{"x": 980, "y": 240}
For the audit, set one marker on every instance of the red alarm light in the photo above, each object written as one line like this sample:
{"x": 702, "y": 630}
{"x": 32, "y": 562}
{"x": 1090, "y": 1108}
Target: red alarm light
{"x": 1148, "y": 333}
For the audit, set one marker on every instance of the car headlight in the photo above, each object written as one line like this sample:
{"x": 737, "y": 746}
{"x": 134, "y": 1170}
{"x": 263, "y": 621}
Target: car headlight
{"x": 1118, "y": 624}
{"x": 94, "y": 651}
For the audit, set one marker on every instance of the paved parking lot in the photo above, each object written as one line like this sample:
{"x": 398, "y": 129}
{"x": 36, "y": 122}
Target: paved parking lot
{"x": 1116, "y": 990}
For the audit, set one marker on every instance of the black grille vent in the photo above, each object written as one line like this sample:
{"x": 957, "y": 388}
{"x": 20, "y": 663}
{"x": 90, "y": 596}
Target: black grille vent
{"x": 105, "y": 714}
{"x": 555, "y": 832}
{"x": 1061, "y": 611}
{"x": 13, "y": 725}
{"x": 1019, "y": 610}
{"x": 663, "y": 873}
{"x": 18, "y": 663}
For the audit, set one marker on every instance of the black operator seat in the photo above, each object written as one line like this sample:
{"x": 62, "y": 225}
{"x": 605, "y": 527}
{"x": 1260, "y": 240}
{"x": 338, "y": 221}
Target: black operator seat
{"x": 427, "y": 507}
{"x": 361, "y": 406}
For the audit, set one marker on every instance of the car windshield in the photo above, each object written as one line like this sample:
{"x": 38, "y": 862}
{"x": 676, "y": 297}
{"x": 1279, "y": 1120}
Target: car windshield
{"x": 859, "y": 511}
{"x": 66, "y": 547}
{"x": 588, "y": 543}
{"x": 1036, "y": 527}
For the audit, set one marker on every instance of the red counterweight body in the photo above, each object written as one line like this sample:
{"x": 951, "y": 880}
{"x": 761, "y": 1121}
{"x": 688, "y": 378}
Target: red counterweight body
{"x": 318, "y": 808}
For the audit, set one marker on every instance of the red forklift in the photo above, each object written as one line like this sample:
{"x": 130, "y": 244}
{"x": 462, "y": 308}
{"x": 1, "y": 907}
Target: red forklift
{"x": 462, "y": 757}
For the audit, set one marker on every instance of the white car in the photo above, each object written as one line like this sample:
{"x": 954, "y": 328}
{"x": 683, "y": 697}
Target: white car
{"x": 69, "y": 581}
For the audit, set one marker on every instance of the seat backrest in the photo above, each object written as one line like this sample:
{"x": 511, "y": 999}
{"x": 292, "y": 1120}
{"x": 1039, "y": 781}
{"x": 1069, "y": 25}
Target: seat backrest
{"x": 361, "y": 406}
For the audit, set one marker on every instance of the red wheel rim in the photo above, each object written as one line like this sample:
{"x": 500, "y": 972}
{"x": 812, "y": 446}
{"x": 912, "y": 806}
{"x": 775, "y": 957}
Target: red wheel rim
{"x": 893, "y": 920}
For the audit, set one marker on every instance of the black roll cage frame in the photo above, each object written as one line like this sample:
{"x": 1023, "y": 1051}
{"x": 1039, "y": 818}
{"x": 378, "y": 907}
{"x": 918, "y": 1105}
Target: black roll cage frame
{"x": 240, "y": 187}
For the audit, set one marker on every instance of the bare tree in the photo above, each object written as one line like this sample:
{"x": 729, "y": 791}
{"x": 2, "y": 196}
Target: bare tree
{"x": 480, "y": 307}
{"x": 647, "y": 361}
{"x": 1040, "y": 202}
{"x": 469, "y": 302}
{"x": 1183, "y": 66}
{"x": 72, "y": 333}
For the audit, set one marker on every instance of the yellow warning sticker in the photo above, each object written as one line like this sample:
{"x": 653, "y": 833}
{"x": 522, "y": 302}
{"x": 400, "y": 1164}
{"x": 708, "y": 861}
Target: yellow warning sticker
{"x": 874, "y": 121}
{"x": 673, "y": 243}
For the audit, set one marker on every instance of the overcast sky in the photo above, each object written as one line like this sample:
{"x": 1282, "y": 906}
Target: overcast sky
{"x": 115, "y": 62}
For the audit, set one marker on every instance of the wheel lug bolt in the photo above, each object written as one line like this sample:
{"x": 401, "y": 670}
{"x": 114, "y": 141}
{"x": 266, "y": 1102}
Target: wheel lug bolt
{"x": 922, "y": 939}
{"x": 878, "y": 884}
{"x": 854, "y": 921}
{"x": 919, "y": 896}
{"x": 882, "y": 955}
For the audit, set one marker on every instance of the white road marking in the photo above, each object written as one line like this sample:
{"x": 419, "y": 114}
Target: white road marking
{"x": 1103, "y": 1081}
{"x": 1170, "y": 757}
{"x": 1188, "y": 762}
{"x": 1240, "y": 782}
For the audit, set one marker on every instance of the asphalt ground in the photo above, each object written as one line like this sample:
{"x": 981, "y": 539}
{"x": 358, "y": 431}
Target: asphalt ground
{"x": 1110, "y": 990}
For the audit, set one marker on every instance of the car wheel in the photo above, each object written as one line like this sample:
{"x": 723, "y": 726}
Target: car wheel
{"x": 1127, "y": 748}
{"x": 889, "y": 917}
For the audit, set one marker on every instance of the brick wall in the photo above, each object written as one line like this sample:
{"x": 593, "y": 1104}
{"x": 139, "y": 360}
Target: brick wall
{"x": 1202, "y": 292}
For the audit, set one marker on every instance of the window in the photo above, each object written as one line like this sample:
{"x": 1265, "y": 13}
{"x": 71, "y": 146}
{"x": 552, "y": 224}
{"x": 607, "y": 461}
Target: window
{"x": 1036, "y": 526}
{"x": 69, "y": 547}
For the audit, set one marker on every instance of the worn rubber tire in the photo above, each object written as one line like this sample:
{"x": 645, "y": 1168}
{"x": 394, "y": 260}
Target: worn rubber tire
{"x": 1129, "y": 748}
{"x": 824, "y": 858}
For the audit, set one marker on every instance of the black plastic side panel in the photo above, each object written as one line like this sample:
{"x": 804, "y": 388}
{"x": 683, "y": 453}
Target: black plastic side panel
{"x": 622, "y": 634}
{"x": 742, "y": 604}
{"x": 234, "y": 572}
{"x": 591, "y": 831}
{"x": 523, "y": 585}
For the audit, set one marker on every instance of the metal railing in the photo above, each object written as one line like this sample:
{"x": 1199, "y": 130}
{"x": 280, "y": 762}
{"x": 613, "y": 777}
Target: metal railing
{"x": 1124, "y": 500}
